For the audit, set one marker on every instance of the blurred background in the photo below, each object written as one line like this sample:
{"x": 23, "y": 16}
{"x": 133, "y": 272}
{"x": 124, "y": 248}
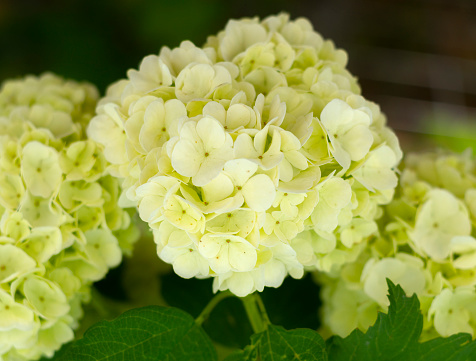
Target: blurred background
{"x": 417, "y": 59}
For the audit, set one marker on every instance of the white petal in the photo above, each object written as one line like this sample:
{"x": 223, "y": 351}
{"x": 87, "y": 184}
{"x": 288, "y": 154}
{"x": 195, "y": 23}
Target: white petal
{"x": 297, "y": 159}
{"x": 209, "y": 169}
{"x": 340, "y": 154}
{"x": 462, "y": 244}
{"x": 215, "y": 110}
{"x": 220, "y": 263}
{"x": 190, "y": 264}
{"x": 274, "y": 273}
{"x": 334, "y": 113}
{"x": 466, "y": 261}
{"x": 241, "y": 284}
{"x": 211, "y": 132}
{"x": 242, "y": 256}
{"x": 243, "y": 147}
{"x": 357, "y": 141}
{"x": 336, "y": 192}
{"x": 285, "y": 171}
{"x": 240, "y": 170}
{"x": 210, "y": 246}
{"x": 259, "y": 192}
{"x": 303, "y": 181}
{"x": 186, "y": 158}
{"x": 217, "y": 189}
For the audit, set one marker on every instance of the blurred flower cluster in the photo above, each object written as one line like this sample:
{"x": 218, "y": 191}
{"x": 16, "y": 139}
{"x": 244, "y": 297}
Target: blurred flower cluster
{"x": 60, "y": 224}
{"x": 252, "y": 157}
{"x": 427, "y": 245}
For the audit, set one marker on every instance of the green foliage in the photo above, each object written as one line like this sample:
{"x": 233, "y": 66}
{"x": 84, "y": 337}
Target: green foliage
{"x": 395, "y": 336}
{"x": 167, "y": 333}
{"x": 228, "y": 323}
{"x": 276, "y": 343}
{"x": 148, "y": 333}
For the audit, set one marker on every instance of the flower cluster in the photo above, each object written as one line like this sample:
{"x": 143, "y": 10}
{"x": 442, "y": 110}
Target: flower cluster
{"x": 60, "y": 225}
{"x": 427, "y": 245}
{"x": 251, "y": 157}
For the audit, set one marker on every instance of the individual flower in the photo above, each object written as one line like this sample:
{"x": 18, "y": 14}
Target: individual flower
{"x": 250, "y": 155}
{"x": 344, "y": 308}
{"x": 403, "y": 269}
{"x": 454, "y": 311}
{"x": 60, "y": 226}
{"x": 440, "y": 219}
{"x": 202, "y": 150}
{"x": 348, "y": 131}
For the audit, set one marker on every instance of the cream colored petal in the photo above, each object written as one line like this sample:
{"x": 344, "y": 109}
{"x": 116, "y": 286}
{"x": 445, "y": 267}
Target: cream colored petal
{"x": 13, "y": 262}
{"x": 242, "y": 256}
{"x": 187, "y": 158}
{"x": 211, "y": 133}
{"x": 259, "y": 192}
{"x": 40, "y": 169}
{"x": 240, "y": 170}
{"x": 45, "y": 297}
{"x": 217, "y": 189}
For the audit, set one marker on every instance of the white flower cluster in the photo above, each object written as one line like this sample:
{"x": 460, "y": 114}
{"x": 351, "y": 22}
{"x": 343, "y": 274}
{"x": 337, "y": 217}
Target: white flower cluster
{"x": 252, "y": 157}
{"x": 427, "y": 245}
{"x": 59, "y": 219}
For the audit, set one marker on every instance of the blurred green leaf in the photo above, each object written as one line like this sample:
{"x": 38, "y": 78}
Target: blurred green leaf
{"x": 149, "y": 333}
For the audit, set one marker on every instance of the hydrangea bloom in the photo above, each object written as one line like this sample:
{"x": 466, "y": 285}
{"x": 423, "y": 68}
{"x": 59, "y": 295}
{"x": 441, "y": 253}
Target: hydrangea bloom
{"x": 251, "y": 156}
{"x": 60, "y": 225}
{"x": 427, "y": 244}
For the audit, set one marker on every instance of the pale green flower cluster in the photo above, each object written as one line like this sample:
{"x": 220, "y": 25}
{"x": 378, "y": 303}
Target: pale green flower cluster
{"x": 60, "y": 226}
{"x": 427, "y": 245}
{"x": 252, "y": 157}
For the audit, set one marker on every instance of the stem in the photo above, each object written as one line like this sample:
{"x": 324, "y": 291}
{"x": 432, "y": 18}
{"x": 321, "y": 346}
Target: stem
{"x": 211, "y": 305}
{"x": 256, "y": 312}
{"x": 264, "y": 314}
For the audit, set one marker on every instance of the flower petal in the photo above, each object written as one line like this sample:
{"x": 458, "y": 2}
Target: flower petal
{"x": 259, "y": 192}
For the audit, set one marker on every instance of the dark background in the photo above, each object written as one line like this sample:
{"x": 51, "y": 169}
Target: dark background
{"x": 417, "y": 59}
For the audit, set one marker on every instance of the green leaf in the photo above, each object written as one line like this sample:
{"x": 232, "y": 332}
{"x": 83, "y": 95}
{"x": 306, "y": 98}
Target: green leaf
{"x": 143, "y": 334}
{"x": 448, "y": 349}
{"x": 299, "y": 344}
{"x": 276, "y": 343}
{"x": 395, "y": 335}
